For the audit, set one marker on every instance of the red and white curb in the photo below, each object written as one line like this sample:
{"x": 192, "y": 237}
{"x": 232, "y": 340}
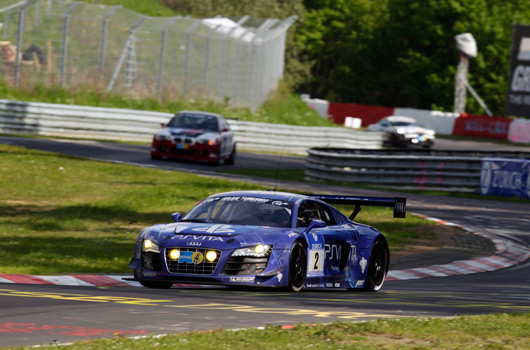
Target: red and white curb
{"x": 507, "y": 253}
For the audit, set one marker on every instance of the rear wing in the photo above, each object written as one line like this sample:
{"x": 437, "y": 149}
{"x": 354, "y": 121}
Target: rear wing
{"x": 398, "y": 203}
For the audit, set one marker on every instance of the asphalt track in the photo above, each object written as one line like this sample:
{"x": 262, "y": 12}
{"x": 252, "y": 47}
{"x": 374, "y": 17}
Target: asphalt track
{"x": 42, "y": 314}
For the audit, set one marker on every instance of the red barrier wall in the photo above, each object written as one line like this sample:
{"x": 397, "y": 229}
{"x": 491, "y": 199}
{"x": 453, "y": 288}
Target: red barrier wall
{"x": 482, "y": 126}
{"x": 368, "y": 114}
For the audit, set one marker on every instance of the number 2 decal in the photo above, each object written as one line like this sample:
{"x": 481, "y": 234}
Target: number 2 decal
{"x": 316, "y": 261}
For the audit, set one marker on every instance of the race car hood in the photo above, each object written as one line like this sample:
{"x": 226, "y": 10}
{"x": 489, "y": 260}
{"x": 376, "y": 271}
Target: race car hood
{"x": 215, "y": 235}
{"x": 193, "y": 133}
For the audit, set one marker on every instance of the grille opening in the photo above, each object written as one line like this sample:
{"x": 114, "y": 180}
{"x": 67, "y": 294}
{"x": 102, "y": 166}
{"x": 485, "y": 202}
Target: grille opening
{"x": 197, "y": 266}
{"x": 245, "y": 265}
{"x": 152, "y": 261}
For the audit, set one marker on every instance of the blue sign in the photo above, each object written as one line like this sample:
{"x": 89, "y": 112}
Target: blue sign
{"x": 505, "y": 177}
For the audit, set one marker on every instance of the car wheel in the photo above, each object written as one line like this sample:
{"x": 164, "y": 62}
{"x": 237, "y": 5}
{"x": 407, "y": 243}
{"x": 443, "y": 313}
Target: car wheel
{"x": 297, "y": 267}
{"x": 156, "y": 284}
{"x": 377, "y": 267}
{"x": 232, "y": 159}
{"x": 155, "y": 157}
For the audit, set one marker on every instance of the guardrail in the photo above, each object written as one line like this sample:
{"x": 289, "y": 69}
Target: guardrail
{"x": 132, "y": 125}
{"x": 457, "y": 171}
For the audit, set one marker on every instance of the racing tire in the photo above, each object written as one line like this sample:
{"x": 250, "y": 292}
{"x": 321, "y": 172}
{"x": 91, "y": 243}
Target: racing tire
{"x": 156, "y": 284}
{"x": 297, "y": 267}
{"x": 377, "y": 267}
{"x": 232, "y": 159}
{"x": 153, "y": 157}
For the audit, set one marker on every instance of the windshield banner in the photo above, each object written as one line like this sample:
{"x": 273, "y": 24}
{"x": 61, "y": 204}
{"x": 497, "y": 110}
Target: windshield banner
{"x": 505, "y": 177}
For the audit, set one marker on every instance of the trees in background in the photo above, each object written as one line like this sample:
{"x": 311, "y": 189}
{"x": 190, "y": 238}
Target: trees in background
{"x": 387, "y": 52}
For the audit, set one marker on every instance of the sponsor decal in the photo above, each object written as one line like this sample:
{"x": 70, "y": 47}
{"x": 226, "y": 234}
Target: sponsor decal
{"x": 215, "y": 229}
{"x": 316, "y": 246}
{"x": 245, "y": 199}
{"x": 315, "y": 237}
{"x": 191, "y": 258}
{"x": 242, "y": 279}
{"x": 337, "y": 285}
{"x": 279, "y": 276}
{"x": 199, "y": 238}
{"x": 332, "y": 252}
{"x": 363, "y": 264}
{"x": 195, "y": 244}
{"x": 359, "y": 283}
{"x": 149, "y": 274}
{"x": 292, "y": 234}
{"x": 315, "y": 285}
{"x": 353, "y": 255}
{"x": 329, "y": 285}
{"x": 280, "y": 203}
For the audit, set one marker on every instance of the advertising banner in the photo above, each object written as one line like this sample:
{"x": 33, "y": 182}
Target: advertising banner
{"x": 505, "y": 177}
{"x": 518, "y": 98}
{"x": 519, "y": 131}
{"x": 482, "y": 126}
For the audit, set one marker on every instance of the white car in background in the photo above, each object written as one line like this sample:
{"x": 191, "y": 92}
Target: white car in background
{"x": 399, "y": 131}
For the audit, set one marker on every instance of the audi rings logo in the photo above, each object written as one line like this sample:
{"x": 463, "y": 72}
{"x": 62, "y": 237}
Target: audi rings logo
{"x": 399, "y": 207}
{"x": 485, "y": 177}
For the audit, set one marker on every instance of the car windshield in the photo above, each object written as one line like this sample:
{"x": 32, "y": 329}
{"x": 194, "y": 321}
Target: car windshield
{"x": 238, "y": 210}
{"x": 404, "y": 123}
{"x": 194, "y": 121}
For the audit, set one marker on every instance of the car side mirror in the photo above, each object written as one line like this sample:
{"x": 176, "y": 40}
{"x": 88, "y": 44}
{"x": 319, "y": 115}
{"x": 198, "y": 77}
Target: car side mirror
{"x": 315, "y": 223}
{"x": 163, "y": 125}
{"x": 176, "y": 217}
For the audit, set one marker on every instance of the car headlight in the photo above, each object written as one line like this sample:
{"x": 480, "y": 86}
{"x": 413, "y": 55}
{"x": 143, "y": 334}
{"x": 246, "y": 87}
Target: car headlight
{"x": 161, "y": 138}
{"x": 400, "y": 131}
{"x": 430, "y": 132}
{"x": 149, "y": 246}
{"x": 261, "y": 250}
{"x": 209, "y": 142}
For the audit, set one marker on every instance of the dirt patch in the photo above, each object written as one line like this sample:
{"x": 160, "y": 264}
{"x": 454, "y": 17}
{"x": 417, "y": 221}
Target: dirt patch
{"x": 442, "y": 234}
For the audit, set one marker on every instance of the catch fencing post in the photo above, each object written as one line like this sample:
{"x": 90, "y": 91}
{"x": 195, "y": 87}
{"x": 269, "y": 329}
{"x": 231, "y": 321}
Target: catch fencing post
{"x": 21, "y": 20}
{"x": 65, "y": 39}
{"x": 128, "y": 45}
{"x": 206, "y": 59}
{"x": 252, "y": 49}
{"x": 187, "y": 54}
{"x": 104, "y": 36}
{"x": 162, "y": 52}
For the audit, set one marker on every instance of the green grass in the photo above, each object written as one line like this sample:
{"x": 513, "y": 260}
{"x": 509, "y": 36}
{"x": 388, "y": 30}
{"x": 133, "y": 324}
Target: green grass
{"x": 282, "y": 107}
{"x": 60, "y": 214}
{"x": 496, "y": 331}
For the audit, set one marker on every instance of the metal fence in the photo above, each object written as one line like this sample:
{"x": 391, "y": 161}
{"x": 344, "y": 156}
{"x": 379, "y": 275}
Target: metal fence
{"x": 17, "y": 117}
{"x": 457, "y": 171}
{"x": 237, "y": 60}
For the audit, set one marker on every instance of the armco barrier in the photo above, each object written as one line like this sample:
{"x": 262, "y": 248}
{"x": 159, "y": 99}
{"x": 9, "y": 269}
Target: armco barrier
{"x": 133, "y": 125}
{"x": 419, "y": 169}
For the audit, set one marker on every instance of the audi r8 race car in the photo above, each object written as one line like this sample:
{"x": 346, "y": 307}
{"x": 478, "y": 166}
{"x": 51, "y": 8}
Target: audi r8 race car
{"x": 195, "y": 135}
{"x": 403, "y": 131}
{"x": 266, "y": 239}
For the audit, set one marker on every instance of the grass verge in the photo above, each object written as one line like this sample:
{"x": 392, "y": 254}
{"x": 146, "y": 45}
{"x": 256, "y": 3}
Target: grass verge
{"x": 61, "y": 214}
{"x": 496, "y": 331}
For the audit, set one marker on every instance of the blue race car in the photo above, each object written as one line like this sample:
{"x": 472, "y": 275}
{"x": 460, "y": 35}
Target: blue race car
{"x": 267, "y": 239}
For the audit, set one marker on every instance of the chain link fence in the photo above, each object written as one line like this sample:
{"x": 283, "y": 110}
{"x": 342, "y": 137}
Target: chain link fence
{"x": 237, "y": 60}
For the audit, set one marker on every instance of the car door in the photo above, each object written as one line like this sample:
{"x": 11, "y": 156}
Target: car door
{"x": 330, "y": 247}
